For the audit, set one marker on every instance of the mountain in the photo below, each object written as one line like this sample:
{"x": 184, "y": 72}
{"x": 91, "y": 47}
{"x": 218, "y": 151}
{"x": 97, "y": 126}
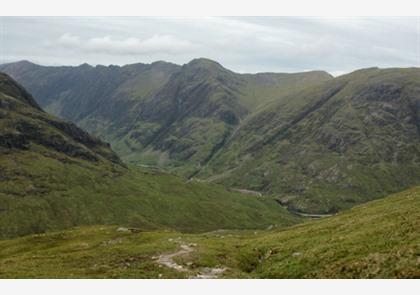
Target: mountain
{"x": 328, "y": 147}
{"x": 318, "y": 144}
{"x": 74, "y": 92}
{"x": 376, "y": 240}
{"x": 174, "y": 117}
{"x": 24, "y": 125}
{"x": 54, "y": 175}
{"x": 126, "y": 222}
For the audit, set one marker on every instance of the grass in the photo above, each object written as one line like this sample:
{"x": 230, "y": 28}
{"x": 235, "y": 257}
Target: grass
{"x": 328, "y": 147}
{"x": 379, "y": 239}
{"x": 42, "y": 193}
{"x": 94, "y": 252}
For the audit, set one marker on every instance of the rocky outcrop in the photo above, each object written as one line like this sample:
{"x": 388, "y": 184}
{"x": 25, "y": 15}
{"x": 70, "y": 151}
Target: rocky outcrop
{"x": 23, "y": 124}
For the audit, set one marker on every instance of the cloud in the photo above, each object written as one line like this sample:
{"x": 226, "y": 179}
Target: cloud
{"x": 156, "y": 44}
{"x": 69, "y": 40}
{"x": 243, "y": 44}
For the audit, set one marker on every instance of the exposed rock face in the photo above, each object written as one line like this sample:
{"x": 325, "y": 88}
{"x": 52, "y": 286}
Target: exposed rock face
{"x": 14, "y": 140}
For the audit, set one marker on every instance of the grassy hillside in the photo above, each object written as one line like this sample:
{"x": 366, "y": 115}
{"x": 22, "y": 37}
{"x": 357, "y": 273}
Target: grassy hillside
{"x": 331, "y": 146}
{"x": 39, "y": 193}
{"x": 54, "y": 175}
{"x": 377, "y": 240}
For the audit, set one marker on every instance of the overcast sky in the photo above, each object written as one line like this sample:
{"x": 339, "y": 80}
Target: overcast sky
{"x": 245, "y": 44}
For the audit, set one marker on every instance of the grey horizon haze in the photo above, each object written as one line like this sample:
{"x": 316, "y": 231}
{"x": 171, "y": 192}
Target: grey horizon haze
{"x": 242, "y": 44}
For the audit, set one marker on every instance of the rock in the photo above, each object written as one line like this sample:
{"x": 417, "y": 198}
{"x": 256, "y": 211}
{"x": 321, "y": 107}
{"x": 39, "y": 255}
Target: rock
{"x": 112, "y": 242}
{"x": 209, "y": 273}
{"x": 135, "y": 230}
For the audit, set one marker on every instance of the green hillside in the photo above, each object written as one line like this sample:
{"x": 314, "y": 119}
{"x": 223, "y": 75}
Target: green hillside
{"x": 54, "y": 175}
{"x": 377, "y": 240}
{"x": 328, "y": 147}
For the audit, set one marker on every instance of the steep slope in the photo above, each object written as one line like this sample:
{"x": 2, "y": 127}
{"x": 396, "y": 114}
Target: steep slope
{"x": 24, "y": 125}
{"x": 331, "y": 146}
{"x": 188, "y": 118}
{"x": 379, "y": 239}
{"x": 160, "y": 114}
{"x": 53, "y": 175}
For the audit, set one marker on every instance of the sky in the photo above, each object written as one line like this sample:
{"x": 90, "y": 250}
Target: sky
{"x": 242, "y": 44}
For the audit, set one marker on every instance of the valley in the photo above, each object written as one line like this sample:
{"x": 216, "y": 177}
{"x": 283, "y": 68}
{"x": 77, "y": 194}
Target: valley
{"x": 208, "y": 173}
{"x": 320, "y": 144}
{"x": 54, "y": 176}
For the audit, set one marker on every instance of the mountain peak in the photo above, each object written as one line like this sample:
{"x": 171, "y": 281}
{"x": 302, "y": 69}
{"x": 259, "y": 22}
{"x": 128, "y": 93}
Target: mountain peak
{"x": 21, "y": 65}
{"x": 205, "y": 63}
{"x": 161, "y": 62}
{"x": 321, "y": 72}
{"x": 25, "y": 63}
{"x": 85, "y": 65}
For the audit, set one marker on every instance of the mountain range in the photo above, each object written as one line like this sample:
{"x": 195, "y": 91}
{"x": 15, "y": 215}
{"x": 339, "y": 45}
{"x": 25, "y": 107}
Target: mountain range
{"x": 53, "y": 175}
{"x": 209, "y": 173}
{"x": 315, "y": 143}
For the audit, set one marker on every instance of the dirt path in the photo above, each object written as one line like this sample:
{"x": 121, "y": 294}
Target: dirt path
{"x": 167, "y": 259}
{"x": 204, "y": 273}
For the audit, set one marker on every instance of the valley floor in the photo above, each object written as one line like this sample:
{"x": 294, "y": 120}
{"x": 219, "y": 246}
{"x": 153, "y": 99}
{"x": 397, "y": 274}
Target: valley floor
{"x": 380, "y": 239}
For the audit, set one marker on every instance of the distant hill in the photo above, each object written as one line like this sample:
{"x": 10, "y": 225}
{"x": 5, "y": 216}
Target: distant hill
{"x": 54, "y": 175}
